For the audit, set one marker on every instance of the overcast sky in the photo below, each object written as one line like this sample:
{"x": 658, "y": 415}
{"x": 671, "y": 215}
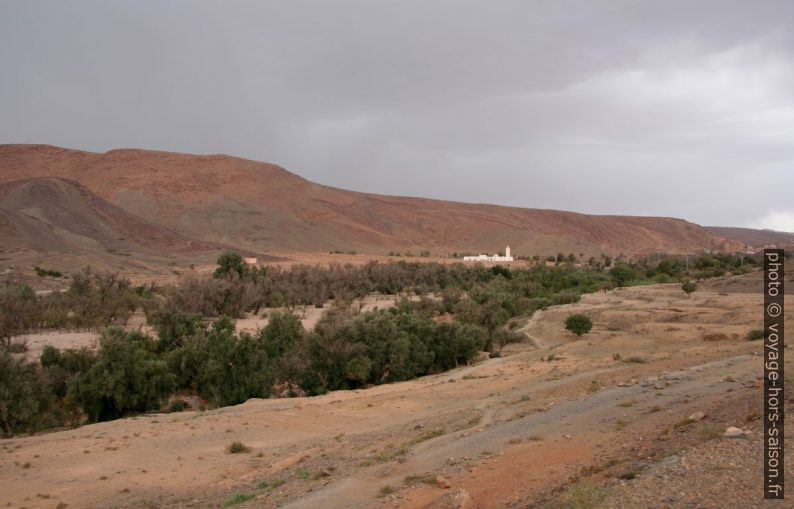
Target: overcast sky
{"x": 672, "y": 108}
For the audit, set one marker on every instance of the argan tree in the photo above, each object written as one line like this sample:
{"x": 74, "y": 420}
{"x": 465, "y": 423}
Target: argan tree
{"x": 578, "y": 324}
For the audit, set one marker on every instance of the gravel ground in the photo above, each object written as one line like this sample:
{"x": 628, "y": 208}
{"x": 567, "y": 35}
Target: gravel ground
{"x": 718, "y": 473}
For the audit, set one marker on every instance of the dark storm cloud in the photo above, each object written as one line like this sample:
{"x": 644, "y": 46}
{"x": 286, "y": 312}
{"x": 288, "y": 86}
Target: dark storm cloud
{"x": 662, "y": 108}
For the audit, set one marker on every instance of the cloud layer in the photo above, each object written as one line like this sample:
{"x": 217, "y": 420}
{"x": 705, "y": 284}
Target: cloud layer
{"x": 656, "y": 108}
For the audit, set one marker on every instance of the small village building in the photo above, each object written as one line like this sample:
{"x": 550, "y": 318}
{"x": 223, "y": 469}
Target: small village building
{"x": 486, "y": 258}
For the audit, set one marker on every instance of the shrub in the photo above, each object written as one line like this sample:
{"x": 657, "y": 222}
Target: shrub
{"x": 47, "y": 272}
{"x": 385, "y": 490}
{"x": 635, "y": 360}
{"x": 178, "y": 405}
{"x": 578, "y": 324}
{"x": 18, "y": 346}
{"x": 662, "y": 278}
{"x": 689, "y": 287}
{"x": 585, "y": 495}
{"x": 502, "y": 338}
{"x": 237, "y": 448}
{"x": 238, "y": 498}
{"x": 755, "y": 334}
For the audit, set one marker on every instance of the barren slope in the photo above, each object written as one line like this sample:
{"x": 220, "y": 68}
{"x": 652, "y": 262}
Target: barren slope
{"x": 263, "y": 207}
{"x": 53, "y": 214}
{"x": 62, "y": 220}
{"x": 753, "y": 238}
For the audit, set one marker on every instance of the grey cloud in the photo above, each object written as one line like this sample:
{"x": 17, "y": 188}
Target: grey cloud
{"x": 665, "y": 108}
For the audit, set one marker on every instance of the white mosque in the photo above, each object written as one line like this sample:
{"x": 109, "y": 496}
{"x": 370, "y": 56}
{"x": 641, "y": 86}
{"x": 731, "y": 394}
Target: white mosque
{"x": 486, "y": 258}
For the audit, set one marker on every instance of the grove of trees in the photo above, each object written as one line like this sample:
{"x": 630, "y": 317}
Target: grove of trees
{"x": 460, "y": 311}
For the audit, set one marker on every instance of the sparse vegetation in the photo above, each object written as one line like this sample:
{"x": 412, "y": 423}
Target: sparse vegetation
{"x": 237, "y": 448}
{"x": 630, "y": 474}
{"x": 238, "y": 498}
{"x": 708, "y": 431}
{"x": 385, "y": 490}
{"x": 270, "y": 484}
{"x": 54, "y": 274}
{"x": 594, "y": 386}
{"x": 755, "y": 334}
{"x": 585, "y": 495}
{"x": 428, "y": 435}
{"x": 178, "y": 405}
{"x": 635, "y": 360}
{"x": 419, "y": 479}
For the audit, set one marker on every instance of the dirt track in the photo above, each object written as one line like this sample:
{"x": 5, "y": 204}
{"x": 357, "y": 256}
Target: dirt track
{"x": 509, "y": 432}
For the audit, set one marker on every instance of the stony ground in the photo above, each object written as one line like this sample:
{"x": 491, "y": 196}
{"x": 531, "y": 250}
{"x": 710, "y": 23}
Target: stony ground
{"x": 601, "y": 421}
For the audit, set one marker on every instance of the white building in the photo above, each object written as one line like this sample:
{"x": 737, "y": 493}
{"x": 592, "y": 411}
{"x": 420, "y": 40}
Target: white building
{"x": 486, "y": 258}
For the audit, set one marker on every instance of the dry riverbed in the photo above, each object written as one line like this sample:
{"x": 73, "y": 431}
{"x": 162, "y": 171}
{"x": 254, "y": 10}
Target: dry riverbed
{"x": 557, "y": 419}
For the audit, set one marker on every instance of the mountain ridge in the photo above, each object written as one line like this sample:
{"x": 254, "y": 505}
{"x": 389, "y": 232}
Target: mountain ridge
{"x": 263, "y": 207}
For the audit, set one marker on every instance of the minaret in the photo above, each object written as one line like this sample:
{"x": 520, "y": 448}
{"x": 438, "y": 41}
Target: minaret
{"x": 507, "y": 252}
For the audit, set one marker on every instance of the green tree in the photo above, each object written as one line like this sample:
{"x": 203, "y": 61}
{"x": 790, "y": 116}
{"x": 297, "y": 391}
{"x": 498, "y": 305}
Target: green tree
{"x": 173, "y": 328}
{"x": 689, "y": 287}
{"x": 235, "y": 369}
{"x": 60, "y": 366}
{"x": 621, "y": 274}
{"x": 26, "y": 402}
{"x": 229, "y": 263}
{"x": 281, "y": 334}
{"x": 18, "y": 307}
{"x": 127, "y": 377}
{"x": 578, "y": 324}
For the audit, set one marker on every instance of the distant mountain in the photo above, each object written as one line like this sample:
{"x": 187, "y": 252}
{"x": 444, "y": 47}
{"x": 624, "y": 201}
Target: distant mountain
{"x": 262, "y": 207}
{"x": 57, "y": 215}
{"x": 753, "y": 238}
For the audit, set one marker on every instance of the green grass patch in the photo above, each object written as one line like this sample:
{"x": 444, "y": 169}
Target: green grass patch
{"x": 238, "y": 498}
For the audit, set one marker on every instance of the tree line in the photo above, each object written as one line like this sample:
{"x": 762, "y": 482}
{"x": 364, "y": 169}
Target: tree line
{"x": 461, "y": 310}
